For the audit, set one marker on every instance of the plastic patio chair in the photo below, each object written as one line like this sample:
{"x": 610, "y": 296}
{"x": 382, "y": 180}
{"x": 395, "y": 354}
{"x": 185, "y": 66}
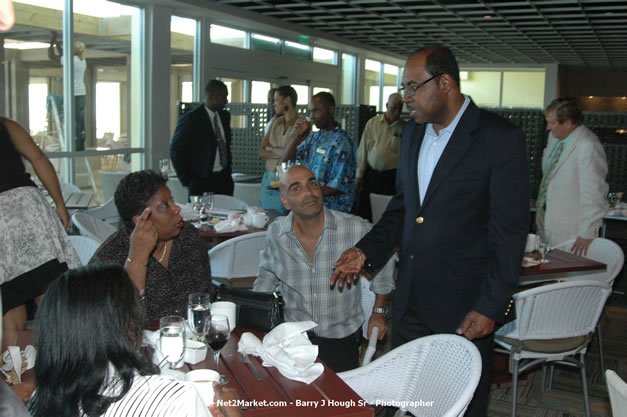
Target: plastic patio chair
{"x": 247, "y": 192}
{"x": 378, "y": 203}
{"x": 237, "y": 257}
{"x": 106, "y": 211}
{"x": 434, "y": 376}
{"x": 92, "y": 227}
{"x": 617, "y": 390}
{"x": 554, "y": 324}
{"x": 367, "y": 302}
{"x": 227, "y": 202}
{"x": 85, "y": 246}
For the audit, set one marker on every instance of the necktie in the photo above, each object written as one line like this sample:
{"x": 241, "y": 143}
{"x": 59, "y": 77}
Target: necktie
{"x": 221, "y": 141}
{"x": 544, "y": 185}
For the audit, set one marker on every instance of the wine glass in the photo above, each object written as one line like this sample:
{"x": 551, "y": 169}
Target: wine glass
{"x": 172, "y": 339}
{"x": 544, "y": 244}
{"x": 198, "y": 309}
{"x": 217, "y": 333}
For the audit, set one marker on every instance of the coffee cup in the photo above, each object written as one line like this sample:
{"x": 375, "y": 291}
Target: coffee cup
{"x": 259, "y": 220}
{"x": 532, "y": 242}
{"x": 228, "y": 309}
{"x": 203, "y": 380}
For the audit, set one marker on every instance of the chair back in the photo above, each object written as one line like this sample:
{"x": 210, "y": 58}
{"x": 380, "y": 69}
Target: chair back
{"x": 68, "y": 188}
{"x": 227, "y": 202}
{"x": 617, "y": 390}
{"x": 85, "y": 247}
{"x": 367, "y": 303}
{"x": 557, "y": 311}
{"x": 237, "y": 257}
{"x": 109, "y": 181}
{"x": 107, "y": 210}
{"x": 248, "y": 193}
{"x": 92, "y": 227}
{"x": 379, "y": 203}
{"x": 438, "y": 374}
{"x": 600, "y": 250}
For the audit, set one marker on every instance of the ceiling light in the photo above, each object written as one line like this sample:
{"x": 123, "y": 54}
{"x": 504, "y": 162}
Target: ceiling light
{"x": 487, "y": 16}
{"x": 590, "y": 96}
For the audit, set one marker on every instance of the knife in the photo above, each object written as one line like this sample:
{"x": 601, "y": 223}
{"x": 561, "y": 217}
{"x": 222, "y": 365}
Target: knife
{"x": 254, "y": 370}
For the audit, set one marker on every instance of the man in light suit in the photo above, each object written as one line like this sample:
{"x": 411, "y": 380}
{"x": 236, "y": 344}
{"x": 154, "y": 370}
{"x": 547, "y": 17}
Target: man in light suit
{"x": 201, "y": 146}
{"x": 461, "y": 214}
{"x": 572, "y": 199}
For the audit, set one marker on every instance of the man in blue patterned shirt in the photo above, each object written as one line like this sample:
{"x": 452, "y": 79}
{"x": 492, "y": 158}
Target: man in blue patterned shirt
{"x": 329, "y": 153}
{"x": 298, "y": 261}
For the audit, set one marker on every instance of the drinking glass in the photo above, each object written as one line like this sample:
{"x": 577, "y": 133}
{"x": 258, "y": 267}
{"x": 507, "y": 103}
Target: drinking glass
{"x": 198, "y": 309}
{"x": 612, "y": 198}
{"x": 164, "y": 166}
{"x": 172, "y": 339}
{"x": 544, "y": 244}
{"x": 217, "y": 333}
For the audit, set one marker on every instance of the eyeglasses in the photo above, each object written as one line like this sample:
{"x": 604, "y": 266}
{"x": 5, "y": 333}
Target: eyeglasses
{"x": 411, "y": 89}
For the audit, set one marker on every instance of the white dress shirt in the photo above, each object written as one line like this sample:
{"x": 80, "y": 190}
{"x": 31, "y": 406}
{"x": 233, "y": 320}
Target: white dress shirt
{"x": 217, "y": 166}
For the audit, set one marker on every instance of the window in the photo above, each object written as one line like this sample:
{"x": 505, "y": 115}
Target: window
{"x": 303, "y": 94}
{"x": 523, "y": 89}
{"x": 349, "y": 75}
{"x": 182, "y": 35}
{"x": 297, "y": 50}
{"x": 371, "y": 86}
{"x": 265, "y": 43}
{"x": 227, "y": 36}
{"x": 259, "y": 92}
{"x": 237, "y": 94}
{"x": 324, "y": 56}
{"x": 483, "y": 87}
{"x": 390, "y": 82}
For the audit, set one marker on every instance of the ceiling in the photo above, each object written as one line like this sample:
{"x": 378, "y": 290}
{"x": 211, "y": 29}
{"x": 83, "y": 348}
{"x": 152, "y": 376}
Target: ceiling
{"x": 578, "y": 34}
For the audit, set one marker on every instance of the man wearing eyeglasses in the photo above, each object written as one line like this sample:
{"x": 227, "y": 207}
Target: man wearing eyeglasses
{"x": 461, "y": 214}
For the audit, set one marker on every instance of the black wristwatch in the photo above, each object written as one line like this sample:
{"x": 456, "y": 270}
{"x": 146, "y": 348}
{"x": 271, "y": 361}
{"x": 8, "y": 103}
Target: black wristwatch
{"x": 382, "y": 310}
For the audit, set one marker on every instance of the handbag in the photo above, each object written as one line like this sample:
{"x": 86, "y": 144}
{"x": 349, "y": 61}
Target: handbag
{"x": 255, "y": 310}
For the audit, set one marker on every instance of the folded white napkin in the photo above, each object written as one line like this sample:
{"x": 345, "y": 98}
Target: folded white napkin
{"x": 13, "y": 358}
{"x": 287, "y": 348}
{"x": 229, "y": 225}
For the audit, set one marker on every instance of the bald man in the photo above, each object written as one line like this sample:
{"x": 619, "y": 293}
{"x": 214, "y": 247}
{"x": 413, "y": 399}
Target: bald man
{"x": 298, "y": 261}
{"x": 377, "y": 155}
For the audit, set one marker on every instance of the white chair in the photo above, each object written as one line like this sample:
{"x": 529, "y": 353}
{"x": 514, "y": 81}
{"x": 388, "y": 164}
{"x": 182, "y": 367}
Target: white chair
{"x": 617, "y": 390}
{"x": 248, "y": 193}
{"x": 85, "y": 246}
{"x": 227, "y": 202}
{"x": 92, "y": 227}
{"x": 367, "y": 303}
{"x": 434, "y": 376}
{"x": 554, "y": 324}
{"x": 378, "y": 203}
{"x": 109, "y": 181}
{"x": 607, "y": 252}
{"x": 237, "y": 257}
{"x": 107, "y": 211}
{"x": 68, "y": 188}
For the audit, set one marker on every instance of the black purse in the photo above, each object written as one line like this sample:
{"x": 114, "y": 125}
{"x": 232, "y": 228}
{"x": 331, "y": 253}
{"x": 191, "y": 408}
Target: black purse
{"x": 255, "y": 310}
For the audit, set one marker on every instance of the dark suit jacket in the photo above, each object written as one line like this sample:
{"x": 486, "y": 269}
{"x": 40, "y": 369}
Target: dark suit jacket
{"x": 194, "y": 146}
{"x": 462, "y": 248}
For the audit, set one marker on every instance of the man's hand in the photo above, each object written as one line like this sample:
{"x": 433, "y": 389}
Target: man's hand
{"x": 580, "y": 247}
{"x": 378, "y": 320}
{"x": 348, "y": 267}
{"x": 475, "y": 326}
{"x": 358, "y": 184}
{"x": 225, "y": 395}
{"x": 302, "y": 125}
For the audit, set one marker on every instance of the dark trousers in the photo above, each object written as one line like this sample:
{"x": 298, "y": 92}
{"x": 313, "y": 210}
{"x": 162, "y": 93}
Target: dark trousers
{"x": 338, "y": 354}
{"x": 412, "y": 326}
{"x": 219, "y": 183}
{"x": 379, "y": 182}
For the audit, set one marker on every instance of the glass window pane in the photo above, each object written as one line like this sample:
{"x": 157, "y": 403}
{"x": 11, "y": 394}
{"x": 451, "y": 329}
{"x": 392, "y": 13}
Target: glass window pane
{"x": 236, "y": 89}
{"x": 523, "y": 89}
{"x": 483, "y": 87}
{"x": 182, "y": 35}
{"x": 372, "y": 90}
{"x": 325, "y": 56}
{"x": 303, "y": 94}
{"x": 349, "y": 66}
{"x": 390, "y": 81}
{"x": 317, "y": 90}
{"x": 259, "y": 92}
{"x": 228, "y": 36}
{"x": 265, "y": 43}
{"x": 297, "y": 50}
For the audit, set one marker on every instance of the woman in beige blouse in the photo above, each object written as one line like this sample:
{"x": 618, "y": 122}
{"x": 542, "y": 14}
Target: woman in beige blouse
{"x": 282, "y": 131}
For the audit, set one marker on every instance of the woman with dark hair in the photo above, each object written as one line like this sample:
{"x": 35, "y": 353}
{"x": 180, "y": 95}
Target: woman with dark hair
{"x": 34, "y": 248}
{"x": 88, "y": 335}
{"x": 282, "y": 131}
{"x": 164, "y": 256}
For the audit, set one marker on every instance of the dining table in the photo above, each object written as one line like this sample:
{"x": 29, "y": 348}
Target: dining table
{"x": 271, "y": 395}
{"x": 561, "y": 264}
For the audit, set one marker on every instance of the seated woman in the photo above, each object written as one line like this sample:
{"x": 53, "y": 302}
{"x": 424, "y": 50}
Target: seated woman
{"x": 164, "y": 256}
{"x": 89, "y": 330}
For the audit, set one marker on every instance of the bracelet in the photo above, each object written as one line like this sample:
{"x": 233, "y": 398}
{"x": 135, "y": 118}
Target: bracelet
{"x": 361, "y": 259}
{"x": 130, "y": 261}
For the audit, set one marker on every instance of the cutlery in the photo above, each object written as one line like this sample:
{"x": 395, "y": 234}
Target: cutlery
{"x": 252, "y": 367}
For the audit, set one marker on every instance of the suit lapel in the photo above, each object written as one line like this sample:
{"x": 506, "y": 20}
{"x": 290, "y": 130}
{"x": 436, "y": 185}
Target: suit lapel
{"x": 566, "y": 153}
{"x": 415, "y": 142}
{"x": 455, "y": 149}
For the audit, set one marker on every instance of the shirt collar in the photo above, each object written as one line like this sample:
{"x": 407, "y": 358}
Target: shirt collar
{"x": 448, "y": 130}
{"x": 287, "y": 226}
{"x": 210, "y": 112}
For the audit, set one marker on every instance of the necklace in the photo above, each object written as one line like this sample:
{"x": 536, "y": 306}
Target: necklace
{"x": 165, "y": 247}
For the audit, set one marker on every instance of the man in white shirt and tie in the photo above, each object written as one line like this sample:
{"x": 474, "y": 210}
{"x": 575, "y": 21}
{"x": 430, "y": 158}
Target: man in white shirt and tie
{"x": 201, "y": 146}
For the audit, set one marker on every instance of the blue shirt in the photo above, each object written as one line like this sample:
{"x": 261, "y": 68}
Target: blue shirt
{"x": 432, "y": 147}
{"x": 332, "y": 156}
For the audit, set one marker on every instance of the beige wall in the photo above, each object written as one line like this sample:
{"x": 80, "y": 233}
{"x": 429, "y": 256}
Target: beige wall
{"x": 483, "y": 87}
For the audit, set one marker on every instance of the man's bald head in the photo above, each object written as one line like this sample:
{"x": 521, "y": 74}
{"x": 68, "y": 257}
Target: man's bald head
{"x": 394, "y": 107}
{"x": 301, "y": 193}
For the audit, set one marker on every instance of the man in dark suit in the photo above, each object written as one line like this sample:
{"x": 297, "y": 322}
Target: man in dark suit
{"x": 461, "y": 214}
{"x": 201, "y": 146}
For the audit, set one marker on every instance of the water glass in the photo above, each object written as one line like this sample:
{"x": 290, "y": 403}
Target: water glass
{"x": 164, "y": 166}
{"x": 612, "y": 198}
{"x": 198, "y": 309}
{"x": 172, "y": 339}
{"x": 544, "y": 244}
